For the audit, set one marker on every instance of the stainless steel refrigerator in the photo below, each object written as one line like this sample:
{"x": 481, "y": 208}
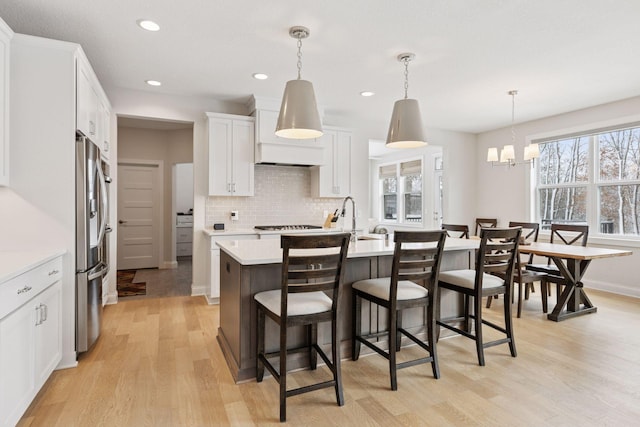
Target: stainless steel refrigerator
{"x": 92, "y": 214}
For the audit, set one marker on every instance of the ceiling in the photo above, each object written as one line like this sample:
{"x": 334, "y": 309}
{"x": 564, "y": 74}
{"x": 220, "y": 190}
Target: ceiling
{"x": 562, "y": 55}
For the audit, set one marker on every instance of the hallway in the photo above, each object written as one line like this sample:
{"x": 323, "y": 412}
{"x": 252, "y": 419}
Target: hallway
{"x": 162, "y": 283}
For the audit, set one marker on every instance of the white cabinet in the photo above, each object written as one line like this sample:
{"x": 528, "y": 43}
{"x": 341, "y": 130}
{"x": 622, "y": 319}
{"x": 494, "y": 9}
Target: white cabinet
{"x": 333, "y": 178}
{"x": 5, "y": 42}
{"x": 184, "y": 235}
{"x": 30, "y": 336}
{"x": 213, "y": 263}
{"x": 93, "y": 114}
{"x": 231, "y": 155}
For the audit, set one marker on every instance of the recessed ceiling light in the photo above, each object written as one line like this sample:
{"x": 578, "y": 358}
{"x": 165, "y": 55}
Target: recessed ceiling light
{"x": 148, "y": 25}
{"x": 153, "y": 83}
{"x": 367, "y": 93}
{"x": 260, "y": 76}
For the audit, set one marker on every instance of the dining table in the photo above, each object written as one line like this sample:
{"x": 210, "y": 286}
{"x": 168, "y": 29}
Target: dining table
{"x": 572, "y": 262}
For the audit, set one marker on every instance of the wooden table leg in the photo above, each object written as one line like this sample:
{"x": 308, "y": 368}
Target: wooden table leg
{"x": 573, "y": 295}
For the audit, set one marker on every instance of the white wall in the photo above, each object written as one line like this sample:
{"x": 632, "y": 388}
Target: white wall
{"x": 184, "y": 187}
{"x": 503, "y": 192}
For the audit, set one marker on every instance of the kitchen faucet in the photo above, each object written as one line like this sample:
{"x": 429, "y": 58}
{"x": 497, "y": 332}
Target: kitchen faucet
{"x": 353, "y": 216}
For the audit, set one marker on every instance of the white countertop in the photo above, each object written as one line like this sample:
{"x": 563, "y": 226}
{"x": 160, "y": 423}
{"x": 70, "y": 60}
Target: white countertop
{"x": 212, "y": 232}
{"x": 243, "y": 231}
{"x": 14, "y": 263}
{"x": 268, "y": 251}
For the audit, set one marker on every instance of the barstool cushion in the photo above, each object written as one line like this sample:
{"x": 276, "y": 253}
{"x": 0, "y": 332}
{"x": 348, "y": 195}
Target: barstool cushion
{"x": 297, "y": 304}
{"x": 380, "y": 287}
{"x": 467, "y": 279}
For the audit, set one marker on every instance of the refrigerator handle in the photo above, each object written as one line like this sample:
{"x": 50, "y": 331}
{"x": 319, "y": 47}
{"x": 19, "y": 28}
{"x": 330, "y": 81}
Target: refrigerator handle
{"x": 99, "y": 273}
{"x": 105, "y": 204}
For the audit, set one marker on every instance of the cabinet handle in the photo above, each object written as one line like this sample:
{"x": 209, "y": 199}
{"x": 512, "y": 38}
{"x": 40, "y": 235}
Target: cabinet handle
{"x": 92, "y": 127}
{"x": 234, "y": 187}
{"x": 52, "y": 272}
{"x": 25, "y": 289}
{"x": 46, "y": 312}
{"x": 38, "y": 315}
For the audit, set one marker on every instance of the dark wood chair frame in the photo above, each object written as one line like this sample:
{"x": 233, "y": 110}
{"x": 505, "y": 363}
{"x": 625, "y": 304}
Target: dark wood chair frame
{"x": 497, "y": 254}
{"x": 521, "y": 276}
{"x": 422, "y": 266}
{"x": 485, "y": 223}
{"x": 461, "y": 230}
{"x": 306, "y": 273}
{"x": 569, "y": 234}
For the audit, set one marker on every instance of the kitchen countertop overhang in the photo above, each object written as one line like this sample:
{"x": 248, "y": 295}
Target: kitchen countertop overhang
{"x": 268, "y": 251}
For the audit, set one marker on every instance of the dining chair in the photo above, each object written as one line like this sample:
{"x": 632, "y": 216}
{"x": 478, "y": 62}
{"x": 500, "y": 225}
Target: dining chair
{"x": 569, "y": 234}
{"x": 413, "y": 283}
{"x": 497, "y": 254}
{"x": 521, "y": 275}
{"x": 456, "y": 230}
{"x": 485, "y": 223}
{"x": 312, "y": 266}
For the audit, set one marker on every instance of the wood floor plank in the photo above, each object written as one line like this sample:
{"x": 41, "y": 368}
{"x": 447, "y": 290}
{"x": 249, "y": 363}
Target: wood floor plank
{"x": 158, "y": 363}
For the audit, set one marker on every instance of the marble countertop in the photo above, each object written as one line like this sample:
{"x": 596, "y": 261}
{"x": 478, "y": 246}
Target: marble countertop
{"x": 14, "y": 263}
{"x": 268, "y": 251}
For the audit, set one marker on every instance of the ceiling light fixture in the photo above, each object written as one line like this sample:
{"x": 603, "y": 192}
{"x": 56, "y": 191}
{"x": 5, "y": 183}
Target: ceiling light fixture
{"x": 148, "y": 25}
{"x": 507, "y": 154}
{"x": 260, "y": 76}
{"x": 299, "y": 118}
{"x": 367, "y": 93}
{"x": 153, "y": 83}
{"x": 405, "y": 129}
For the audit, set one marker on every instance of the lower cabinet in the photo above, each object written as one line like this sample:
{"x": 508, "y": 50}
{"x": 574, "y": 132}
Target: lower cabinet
{"x": 30, "y": 338}
{"x": 213, "y": 263}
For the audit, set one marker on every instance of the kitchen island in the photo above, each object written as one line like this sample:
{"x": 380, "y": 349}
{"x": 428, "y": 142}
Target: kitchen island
{"x": 249, "y": 267}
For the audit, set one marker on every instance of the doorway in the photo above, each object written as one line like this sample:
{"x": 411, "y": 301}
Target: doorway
{"x": 143, "y": 142}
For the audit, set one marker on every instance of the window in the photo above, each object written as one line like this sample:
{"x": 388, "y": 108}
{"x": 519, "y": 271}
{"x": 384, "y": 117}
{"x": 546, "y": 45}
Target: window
{"x": 401, "y": 191}
{"x": 591, "y": 178}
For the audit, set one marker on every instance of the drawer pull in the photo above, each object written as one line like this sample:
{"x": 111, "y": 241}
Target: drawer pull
{"x": 52, "y": 272}
{"x": 25, "y": 289}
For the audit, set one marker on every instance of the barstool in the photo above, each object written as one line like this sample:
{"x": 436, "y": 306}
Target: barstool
{"x": 311, "y": 266}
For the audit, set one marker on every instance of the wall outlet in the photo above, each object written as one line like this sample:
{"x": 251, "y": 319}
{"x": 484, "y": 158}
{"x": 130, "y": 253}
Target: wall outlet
{"x": 234, "y": 216}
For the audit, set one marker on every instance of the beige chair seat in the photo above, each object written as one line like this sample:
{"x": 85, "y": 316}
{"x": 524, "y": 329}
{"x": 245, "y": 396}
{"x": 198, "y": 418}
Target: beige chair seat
{"x": 467, "y": 279}
{"x": 297, "y": 304}
{"x": 380, "y": 288}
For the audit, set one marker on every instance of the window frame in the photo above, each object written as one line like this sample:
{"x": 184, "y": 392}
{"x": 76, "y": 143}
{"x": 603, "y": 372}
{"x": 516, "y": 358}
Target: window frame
{"x": 594, "y": 183}
{"x": 400, "y": 194}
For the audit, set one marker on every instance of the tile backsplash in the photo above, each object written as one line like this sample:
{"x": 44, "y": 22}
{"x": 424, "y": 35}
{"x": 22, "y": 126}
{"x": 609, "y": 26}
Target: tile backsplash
{"x": 282, "y": 196}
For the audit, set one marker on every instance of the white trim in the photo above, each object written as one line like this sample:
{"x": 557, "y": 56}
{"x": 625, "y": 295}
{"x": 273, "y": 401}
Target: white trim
{"x": 587, "y": 127}
{"x": 169, "y": 265}
{"x": 615, "y": 288}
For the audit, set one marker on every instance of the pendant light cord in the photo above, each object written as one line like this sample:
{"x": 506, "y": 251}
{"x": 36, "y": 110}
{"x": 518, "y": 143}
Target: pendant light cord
{"x": 299, "y": 56}
{"x": 406, "y": 77}
{"x": 513, "y": 116}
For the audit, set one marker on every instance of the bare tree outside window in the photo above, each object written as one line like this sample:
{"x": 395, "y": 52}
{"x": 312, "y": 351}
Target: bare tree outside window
{"x": 568, "y": 181}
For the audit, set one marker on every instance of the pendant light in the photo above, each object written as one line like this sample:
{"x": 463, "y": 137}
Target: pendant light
{"x": 299, "y": 118}
{"x": 507, "y": 154}
{"x": 405, "y": 129}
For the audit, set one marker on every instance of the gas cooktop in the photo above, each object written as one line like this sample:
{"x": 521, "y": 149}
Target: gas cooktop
{"x": 286, "y": 227}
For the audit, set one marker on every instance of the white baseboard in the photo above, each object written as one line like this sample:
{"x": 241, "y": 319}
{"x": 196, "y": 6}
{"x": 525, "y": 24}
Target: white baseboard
{"x": 68, "y": 361}
{"x": 212, "y": 301}
{"x": 169, "y": 265}
{"x": 614, "y": 288}
{"x": 198, "y": 290}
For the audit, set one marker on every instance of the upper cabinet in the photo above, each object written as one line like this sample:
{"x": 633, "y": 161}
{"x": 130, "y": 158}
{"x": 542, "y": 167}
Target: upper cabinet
{"x": 231, "y": 155}
{"x": 333, "y": 178}
{"x": 5, "y": 42}
{"x": 93, "y": 114}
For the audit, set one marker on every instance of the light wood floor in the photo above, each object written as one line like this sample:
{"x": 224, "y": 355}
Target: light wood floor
{"x": 158, "y": 364}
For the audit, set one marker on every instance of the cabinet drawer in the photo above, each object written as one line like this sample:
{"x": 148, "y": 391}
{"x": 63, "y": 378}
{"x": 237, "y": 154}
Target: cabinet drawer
{"x": 21, "y": 289}
{"x": 184, "y": 234}
{"x": 183, "y": 249}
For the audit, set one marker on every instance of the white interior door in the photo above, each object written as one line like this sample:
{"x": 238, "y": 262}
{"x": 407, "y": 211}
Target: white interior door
{"x": 138, "y": 216}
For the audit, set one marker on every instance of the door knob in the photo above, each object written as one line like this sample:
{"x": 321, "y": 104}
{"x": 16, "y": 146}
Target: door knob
{"x": 121, "y": 221}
